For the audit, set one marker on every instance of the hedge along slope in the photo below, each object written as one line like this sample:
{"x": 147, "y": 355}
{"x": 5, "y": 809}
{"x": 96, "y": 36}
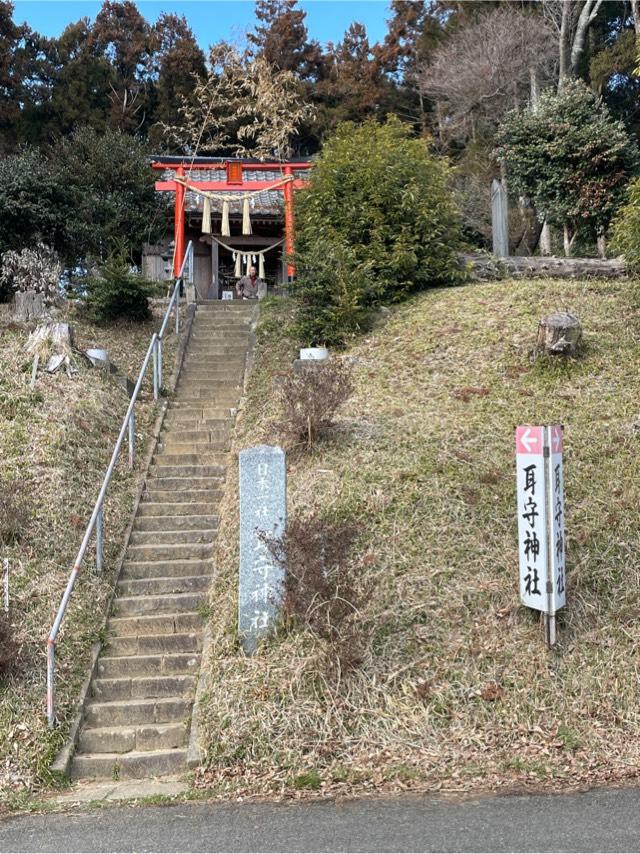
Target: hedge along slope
{"x": 456, "y": 690}
{"x": 376, "y": 222}
{"x": 55, "y": 445}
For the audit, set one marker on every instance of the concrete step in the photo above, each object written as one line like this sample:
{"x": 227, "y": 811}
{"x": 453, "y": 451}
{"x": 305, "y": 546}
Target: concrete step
{"x": 174, "y": 508}
{"x": 188, "y": 621}
{"x": 196, "y": 521}
{"x": 143, "y": 687}
{"x": 228, "y": 383}
{"x": 180, "y": 434}
{"x": 166, "y": 603}
{"x": 197, "y": 448}
{"x": 201, "y": 410}
{"x": 154, "y": 644}
{"x": 220, "y": 397}
{"x": 172, "y": 475}
{"x": 183, "y": 423}
{"x": 189, "y": 465}
{"x": 172, "y": 664}
{"x": 221, "y": 305}
{"x": 214, "y": 368}
{"x": 179, "y": 485}
{"x": 124, "y": 739}
{"x": 158, "y": 585}
{"x": 166, "y": 568}
{"x": 237, "y": 337}
{"x": 190, "y": 379}
{"x": 177, "y": 418}
{"x": 173, "y": 551}
{"x": 135, "y": 765}
{"x": 225, "y": 400}
{"x": 131, "y": 712}
{"x": 211, "y": 497}
{"x": 172, "y": 538}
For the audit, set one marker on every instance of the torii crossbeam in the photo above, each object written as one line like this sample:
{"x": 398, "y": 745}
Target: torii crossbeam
{"x": 234, "y": 183}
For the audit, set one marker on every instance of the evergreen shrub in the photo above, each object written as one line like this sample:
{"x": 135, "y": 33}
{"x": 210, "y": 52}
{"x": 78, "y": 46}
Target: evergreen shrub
{"x": 117, "y": 293}
{"x": 376, "y": 223}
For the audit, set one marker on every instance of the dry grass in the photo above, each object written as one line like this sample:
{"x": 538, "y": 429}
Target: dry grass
{"x": 456, "y": 691}
{"x": 55, "y": 444}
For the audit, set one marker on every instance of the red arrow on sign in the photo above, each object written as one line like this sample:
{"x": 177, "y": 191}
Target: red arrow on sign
{"x": 528, "y": 439}
{"x": 556, "y": 439}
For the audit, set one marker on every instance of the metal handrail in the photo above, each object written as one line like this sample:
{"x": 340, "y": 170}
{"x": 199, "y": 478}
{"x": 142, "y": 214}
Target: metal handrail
{"x": 96, "y": 522}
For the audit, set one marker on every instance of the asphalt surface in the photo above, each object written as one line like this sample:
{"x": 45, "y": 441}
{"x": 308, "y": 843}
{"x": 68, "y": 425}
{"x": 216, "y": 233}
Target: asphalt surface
{"x": 604, "y": 820}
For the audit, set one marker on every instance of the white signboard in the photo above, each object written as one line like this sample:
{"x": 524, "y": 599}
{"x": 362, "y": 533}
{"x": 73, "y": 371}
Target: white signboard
{"x": 532, "y": 517}
{"x": 541, "y": 517}
{"x": 227, "y": 294}
{"x": 556, "y": 516}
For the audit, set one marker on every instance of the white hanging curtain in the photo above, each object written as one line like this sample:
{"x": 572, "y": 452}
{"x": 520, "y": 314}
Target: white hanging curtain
{"x": 246, "y": 216}
{"x": 206, "y": 215}
{"x": 225, "y": 229}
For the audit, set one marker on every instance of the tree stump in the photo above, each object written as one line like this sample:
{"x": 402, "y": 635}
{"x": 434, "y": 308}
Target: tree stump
{"x": 559, "y": 334}
{"x": 28, "y": 305}
{"x": 51, "y": 338}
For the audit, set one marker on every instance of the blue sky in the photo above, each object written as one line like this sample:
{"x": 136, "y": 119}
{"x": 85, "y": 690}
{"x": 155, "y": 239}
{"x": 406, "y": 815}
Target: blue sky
{"x": 212, "y": 20}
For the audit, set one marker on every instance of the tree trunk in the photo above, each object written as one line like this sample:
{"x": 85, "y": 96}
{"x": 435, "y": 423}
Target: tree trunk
{"x": 545, "y": 239}
{"x": 569, "y": 236}
{"x": 28, "y": 305}
{"x": 587, "y": 16}
{"x": 485, "y": 267}
{"x": 565, "y": 28}
{"x": 635, "y": 11}
{"x": 534, "y": 92}
{"x": 601, "y": 243}
{"x": 559, "y": 334}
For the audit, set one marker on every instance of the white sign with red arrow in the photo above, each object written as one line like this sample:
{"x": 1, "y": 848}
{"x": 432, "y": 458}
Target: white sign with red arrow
{"x": 556, "y": 517}
{"x": 532, "y": 517}
{"x": 541, "y": 519}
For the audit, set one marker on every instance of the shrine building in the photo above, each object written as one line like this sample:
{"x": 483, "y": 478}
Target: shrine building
{"x": 237, "y": 213}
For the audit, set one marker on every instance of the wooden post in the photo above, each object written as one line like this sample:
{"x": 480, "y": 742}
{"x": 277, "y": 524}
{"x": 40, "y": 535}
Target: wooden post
{"x": 178, "y": 223}
{"x": 215, "y": 271}
{"x": 499, "y": 219}
{"x": 288, "y": 220}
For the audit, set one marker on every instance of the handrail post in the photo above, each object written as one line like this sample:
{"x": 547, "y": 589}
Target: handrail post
{"x": 156, "y": 370}
{"x": 178, "y": 310}
{"x": 99, "y": 539}
{"x": 132, "y": 438}
{"x": 159, "y": 346}
{"x": 51, "y": 653}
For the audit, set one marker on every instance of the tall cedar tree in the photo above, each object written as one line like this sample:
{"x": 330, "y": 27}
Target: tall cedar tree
{"x": 178, "y": 60}
{"x": 16, "y": 60}
{"x": 122, "y": 35}
{"x": 282, "y": 39}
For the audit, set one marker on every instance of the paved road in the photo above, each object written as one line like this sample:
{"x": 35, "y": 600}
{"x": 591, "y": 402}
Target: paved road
{"x": 595, "y": 821}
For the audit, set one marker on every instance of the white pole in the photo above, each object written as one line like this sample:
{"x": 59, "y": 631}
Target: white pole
{"x": 550, "y": 622}
{"x": 132, "y": 438}
{"x": 99, "y": 539}
{"x": 6, "y": 585}
{"x": 156, "y": 370}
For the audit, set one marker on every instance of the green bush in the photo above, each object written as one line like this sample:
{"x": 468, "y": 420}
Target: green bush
{"x": 570, "y": 157}
{"x": 116, "y": 293}
{"x": 626, "y": 227}
{"x": 376, "y": 223}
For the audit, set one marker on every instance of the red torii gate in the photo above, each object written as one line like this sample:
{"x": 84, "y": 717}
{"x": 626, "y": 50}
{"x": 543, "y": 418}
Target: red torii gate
{"x": 234, "y": 183}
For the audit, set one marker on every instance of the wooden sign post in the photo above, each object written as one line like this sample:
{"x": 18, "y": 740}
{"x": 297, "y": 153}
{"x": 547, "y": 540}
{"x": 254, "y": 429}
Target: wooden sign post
{"x": 541, "y": 537}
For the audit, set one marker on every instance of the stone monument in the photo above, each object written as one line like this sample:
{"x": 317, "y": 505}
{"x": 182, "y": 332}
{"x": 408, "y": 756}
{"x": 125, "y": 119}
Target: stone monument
{"x": 263, "y": 513}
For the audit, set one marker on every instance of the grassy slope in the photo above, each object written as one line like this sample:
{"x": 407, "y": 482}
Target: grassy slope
{"x": 55, "y": 444}
{"x": 457, "y": 690}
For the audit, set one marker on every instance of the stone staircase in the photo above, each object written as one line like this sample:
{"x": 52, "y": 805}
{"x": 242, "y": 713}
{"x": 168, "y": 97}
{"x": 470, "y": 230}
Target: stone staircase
{"x": 137, "y": 716}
